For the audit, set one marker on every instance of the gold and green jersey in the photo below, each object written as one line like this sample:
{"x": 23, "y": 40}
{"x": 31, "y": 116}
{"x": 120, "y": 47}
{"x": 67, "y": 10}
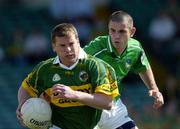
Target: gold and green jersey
{"x": 88, "y": 75}
{"x": 132, "y": 59}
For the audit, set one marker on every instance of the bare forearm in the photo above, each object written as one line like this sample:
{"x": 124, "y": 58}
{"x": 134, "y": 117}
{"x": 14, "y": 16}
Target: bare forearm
{"x": 148, "y": 79}
{"x": 100, "y": 101}
{"x": 22, "y": 95}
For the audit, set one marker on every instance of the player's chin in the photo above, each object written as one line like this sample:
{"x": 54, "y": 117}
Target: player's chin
{"x": 72, "y": 60}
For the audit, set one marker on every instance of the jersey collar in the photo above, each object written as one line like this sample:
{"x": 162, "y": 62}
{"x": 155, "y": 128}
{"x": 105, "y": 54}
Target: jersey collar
{"x": 82, "y": 55}
{"x": 109, "y": 47}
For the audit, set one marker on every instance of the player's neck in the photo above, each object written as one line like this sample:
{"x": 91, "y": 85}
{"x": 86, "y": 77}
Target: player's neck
{"x": 120, "y": 50}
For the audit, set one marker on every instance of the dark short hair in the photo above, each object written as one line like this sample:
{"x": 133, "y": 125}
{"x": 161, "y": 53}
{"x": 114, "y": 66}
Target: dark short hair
{"x": 64, "y": 29}
{"x": 120, "y": 16}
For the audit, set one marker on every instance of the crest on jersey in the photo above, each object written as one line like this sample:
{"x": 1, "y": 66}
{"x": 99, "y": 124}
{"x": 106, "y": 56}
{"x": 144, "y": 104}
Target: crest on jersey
{"x": 128, "y": 63}
{"x": 83, "y": 76}
{"x": 56, "y": 78}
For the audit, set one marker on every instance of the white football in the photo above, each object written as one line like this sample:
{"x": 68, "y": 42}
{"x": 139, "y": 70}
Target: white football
{"x": 36, "y": 113}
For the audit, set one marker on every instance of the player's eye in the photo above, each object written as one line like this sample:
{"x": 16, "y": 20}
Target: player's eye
{"x": 60, "y": 45}
{"x": 112, "y": 30}
{"x": 71, "y": 44}
{"x": 122, "y": 31}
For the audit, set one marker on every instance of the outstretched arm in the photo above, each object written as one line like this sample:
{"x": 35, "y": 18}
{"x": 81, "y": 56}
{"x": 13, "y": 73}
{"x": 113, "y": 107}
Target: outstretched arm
{"x": 97, "y": 100}
{"x": 148, "y": 79}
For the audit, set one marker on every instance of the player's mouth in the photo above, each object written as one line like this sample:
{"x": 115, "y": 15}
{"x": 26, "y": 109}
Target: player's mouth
{"x": 70, "y": 56}
{"x": 116, "y": 42}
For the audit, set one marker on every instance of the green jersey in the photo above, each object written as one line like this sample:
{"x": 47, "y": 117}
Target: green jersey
{"x": 132, "y": 59}
{"x": 88, "y": 75}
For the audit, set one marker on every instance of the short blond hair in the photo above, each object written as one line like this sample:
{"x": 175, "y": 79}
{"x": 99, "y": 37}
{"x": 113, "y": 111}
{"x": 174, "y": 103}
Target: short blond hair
{"x": 64, "y": 29}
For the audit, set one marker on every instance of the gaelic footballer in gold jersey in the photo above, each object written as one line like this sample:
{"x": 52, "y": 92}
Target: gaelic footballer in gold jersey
{"x": 77, "y": 85}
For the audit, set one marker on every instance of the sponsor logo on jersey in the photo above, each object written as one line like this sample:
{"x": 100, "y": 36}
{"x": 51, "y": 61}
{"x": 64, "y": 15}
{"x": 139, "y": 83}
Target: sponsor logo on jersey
{"x": 64, "y": 102}
{"x": 69, "y": 73}
{"x": 83, "y": 76}
{"x": 56, "y": 78}
{"x": 114, "y": 86}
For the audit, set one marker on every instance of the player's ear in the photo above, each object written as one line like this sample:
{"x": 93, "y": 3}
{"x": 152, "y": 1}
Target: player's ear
{"x": 53, "y": 47}
{"x": 133, "y": 30}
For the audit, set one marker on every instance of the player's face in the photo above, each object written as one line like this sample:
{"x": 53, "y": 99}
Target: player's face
{"x": 67, "y": 48}
{"x": 120, "y": 32}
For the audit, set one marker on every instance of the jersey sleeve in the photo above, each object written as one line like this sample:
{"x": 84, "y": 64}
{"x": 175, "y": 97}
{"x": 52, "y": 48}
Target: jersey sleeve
{"x": 103, "y": 80}
{"x": 142, "y": 63}
{"x": 94, "y": 46}
{"x": 31, "y": 82}
{"x": 111, "y": 75}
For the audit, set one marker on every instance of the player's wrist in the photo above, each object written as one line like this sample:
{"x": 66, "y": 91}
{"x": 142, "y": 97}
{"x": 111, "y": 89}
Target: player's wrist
{"x": 153, "y": 88}
{"x": 75, "y": 96}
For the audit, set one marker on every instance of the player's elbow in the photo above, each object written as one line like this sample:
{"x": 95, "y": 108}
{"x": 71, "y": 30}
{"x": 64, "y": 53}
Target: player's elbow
{"x": 104, "y": 101}
{"x": 106, "y": 106}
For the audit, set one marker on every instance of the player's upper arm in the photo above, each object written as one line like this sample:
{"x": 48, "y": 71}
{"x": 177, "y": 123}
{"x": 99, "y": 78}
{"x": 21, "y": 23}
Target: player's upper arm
{"x": 30, "y": 83}
{"x": 142, "y": 63}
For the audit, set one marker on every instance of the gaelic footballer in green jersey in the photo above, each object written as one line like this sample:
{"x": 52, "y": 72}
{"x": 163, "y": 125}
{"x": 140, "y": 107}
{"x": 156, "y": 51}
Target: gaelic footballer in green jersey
{"x": 133, "y": 57}
{"x": 77, "y": 86}
{"x": 89, "y": 75}
{"x": 124, "y": 54}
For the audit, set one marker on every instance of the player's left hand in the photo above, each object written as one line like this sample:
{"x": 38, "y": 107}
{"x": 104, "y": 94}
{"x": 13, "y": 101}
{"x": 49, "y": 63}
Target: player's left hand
{"x": 158, "y": 98}
{"x": 19, "y": 115}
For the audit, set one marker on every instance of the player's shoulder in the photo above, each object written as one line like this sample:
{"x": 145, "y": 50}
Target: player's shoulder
{"x": 108, "y": 66}
{"x": 101, "y": 39}
{"x": 103, "y": 62}
{"x": 45, "y": 63}
{"x": 134, "y": 44}
{"x": 92, "y": 60}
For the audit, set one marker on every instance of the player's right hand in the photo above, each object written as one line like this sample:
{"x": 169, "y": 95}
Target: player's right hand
{"x": 45, "y": 97}
{"x": 158, "y": 98}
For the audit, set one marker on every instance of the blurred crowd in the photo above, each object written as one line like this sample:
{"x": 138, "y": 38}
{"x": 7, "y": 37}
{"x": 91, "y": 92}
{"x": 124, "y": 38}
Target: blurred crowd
{"x": 26, "y": 25}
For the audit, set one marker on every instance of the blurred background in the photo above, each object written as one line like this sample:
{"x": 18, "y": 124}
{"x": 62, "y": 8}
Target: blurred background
{"x": 25, "y": 27}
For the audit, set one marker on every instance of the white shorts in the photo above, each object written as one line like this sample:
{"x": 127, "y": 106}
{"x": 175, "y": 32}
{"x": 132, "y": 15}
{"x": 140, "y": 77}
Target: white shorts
{"x": 117, "y": 116}
{"x": 54, "y": 127}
